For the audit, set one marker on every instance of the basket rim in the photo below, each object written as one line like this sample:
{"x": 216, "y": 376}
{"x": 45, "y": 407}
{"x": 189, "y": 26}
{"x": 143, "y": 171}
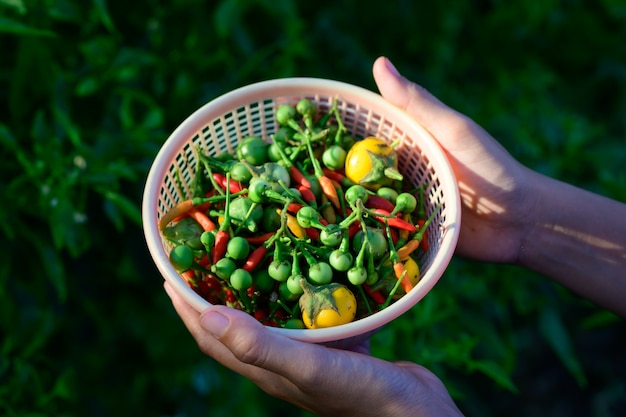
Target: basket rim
{"x": 301, "y": 86}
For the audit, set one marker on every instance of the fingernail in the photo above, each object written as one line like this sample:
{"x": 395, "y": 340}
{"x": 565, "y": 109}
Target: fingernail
{"x": 214, "y": 323}
{"x": 391, "y": 67}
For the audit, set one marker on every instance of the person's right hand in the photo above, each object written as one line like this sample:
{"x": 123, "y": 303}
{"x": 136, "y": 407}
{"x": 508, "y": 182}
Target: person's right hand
{"x": 496, "y": 190}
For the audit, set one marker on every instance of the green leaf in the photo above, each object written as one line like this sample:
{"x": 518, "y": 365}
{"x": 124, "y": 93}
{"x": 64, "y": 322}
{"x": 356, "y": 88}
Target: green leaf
{"x": 103, "y": 14}
{"x": 126, "y": 206}
{"x": 18, "y": 5}
{"x": 55, "y": 270}
{"x": 552, "y": 328}
{"x": 6, "y": 137}
{"x": 495, "y": 372}
{"x": 11, "y": 26}
{"x": 67, "y": 125}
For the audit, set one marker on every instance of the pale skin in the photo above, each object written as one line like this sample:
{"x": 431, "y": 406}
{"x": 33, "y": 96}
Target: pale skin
{"x": 510, "y": 214}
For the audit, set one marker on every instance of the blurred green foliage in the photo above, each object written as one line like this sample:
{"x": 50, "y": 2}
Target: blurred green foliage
{"x": 89, "y": 90}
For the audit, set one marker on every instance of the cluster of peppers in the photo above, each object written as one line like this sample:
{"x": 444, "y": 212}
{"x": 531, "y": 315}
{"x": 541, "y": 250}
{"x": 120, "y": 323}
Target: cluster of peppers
{"x": 291, "y": 229}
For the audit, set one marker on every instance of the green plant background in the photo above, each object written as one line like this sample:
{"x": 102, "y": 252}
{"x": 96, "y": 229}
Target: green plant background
{"x": 89, "y": 90}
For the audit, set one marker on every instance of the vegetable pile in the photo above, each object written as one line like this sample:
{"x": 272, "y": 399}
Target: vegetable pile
{"x": 309, "y": 229}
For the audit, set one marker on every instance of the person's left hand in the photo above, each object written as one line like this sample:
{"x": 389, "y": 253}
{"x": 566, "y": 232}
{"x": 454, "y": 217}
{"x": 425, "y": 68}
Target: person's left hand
{"x": 325, "y": 381}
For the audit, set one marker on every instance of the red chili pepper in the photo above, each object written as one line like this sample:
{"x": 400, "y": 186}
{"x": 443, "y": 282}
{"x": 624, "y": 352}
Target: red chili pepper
{"x": 312, "y": 233}
{"x": 393, "y": 221}
{"x": 234, "y": 187}
{"x": 424, "y": 242}
{"x": 221, "y": 242}
{"x": 353, "y": 229}
{"x": 250, "y": 291}
{"x": 332, "y": 174}
{"x": 259, "y": 239}
{"x": 374, "y": 295}
{"x": 294, "y": 207}
{"x": 222, "y": 236}
{"x": 260, "y": 315}
{"x": 190, "y": 277}
{"x": 203, "y": 289}
{"x": 298, "y": 177}
{"x": 338, "y": 176}
{"x": 204, "y": 261}
{"x": 230, "y": 296}
{"x": 394, "y": 236}
{"x": 255, "y": 258}
{"x": 307, "y": 194}
{"x": 212, "y": 283}
{"x": 378, "y": 202}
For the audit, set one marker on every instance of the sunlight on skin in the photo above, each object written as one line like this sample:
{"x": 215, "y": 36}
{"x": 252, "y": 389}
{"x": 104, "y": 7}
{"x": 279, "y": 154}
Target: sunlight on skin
{"x": 480, "y": 205}
{"x": 607, "y": 247}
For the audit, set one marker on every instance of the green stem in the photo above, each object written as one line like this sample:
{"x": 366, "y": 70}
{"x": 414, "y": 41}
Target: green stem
{"x": 217, "y": 198}
{"x": 365, "y": 299}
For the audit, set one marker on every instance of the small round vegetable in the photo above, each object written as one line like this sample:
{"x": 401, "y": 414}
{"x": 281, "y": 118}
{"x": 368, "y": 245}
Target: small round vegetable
{"x": 257, "y": 189}
{"x": 285, "y": 293}
{"x": 273, "y": 154}
{"x": 376, "y": 238}
{"x": 306, "y": 107}
{"x": 240, "y": 172}
{"x": 224, "y": 268}
{"x": 294, "y": 323}
{"x": 387, "y": 193}
{"x": 373, "y": 163}
{"x": 270, "y": 221}
{"x": 208, "y": 240}
{"x": 307, "y": 216}
{"x": 284, "y": 113}
{"x": 181, "y": 258}
{"x": 279, "y": 270}
{"x": 262, "y": 280}
{"x": 237, "y": 248}
{"x": 241, "y": 279}
{"x": 405, "y": 203}
{"x": 243, "y": 211}
{"x": 357, "y": 275}
{"x": 331, "y": 235}
{"x": 293, "y": 284}
{"x": 334, "y": 157}
{"x": 356, "y": 192}
{"x": 284, "y": 134}
{"x": 340, "y": 260}
{"x": 320, "y": 273}
{"x": 275, "y": 173}
{"x": 253, "y": 150}
{"x": 326, "y": 305}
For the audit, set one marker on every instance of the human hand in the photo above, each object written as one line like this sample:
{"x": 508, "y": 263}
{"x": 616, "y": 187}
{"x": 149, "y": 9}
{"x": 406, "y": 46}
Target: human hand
{"x": 496, "y": 191}
{"x": 325, "y": 381}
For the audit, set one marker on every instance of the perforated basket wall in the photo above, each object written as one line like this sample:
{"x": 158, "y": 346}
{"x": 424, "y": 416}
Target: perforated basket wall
{"x": 218, "y": 127}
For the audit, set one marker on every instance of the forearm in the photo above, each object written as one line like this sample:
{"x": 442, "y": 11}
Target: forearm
{"x": 580, "y": 242}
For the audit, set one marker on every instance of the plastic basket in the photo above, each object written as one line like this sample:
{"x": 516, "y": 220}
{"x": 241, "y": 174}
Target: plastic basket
{"x": 219, "y": 125}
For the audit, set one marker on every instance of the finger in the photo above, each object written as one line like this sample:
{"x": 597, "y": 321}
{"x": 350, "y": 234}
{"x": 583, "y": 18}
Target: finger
{"x": 270, "y": 382}
{"x": 445, "y": 124}
{"x": 241, "y": 343}
{"x": 254, "y": 344}
{"x": 191, "y": 319}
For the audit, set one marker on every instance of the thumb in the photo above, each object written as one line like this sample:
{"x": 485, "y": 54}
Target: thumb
{"x": 440, "y": 120}
{"x": 251, "y": 343}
